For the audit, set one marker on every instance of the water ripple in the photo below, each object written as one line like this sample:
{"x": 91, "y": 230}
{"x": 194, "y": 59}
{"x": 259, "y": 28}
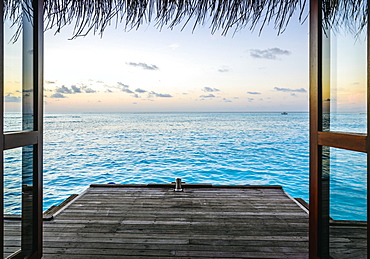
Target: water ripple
{"x": 240, "y": 148}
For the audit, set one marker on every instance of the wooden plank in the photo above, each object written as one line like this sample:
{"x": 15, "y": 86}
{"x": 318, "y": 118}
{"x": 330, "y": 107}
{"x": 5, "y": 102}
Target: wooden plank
{"x": 244, "y": 220}
{"x": 20, "y": 139}
{"x": 229, "y": 248}
{"x": 350, "y": 141}
{"x": 158, "y": 223}
{"x": 185, "y": 185}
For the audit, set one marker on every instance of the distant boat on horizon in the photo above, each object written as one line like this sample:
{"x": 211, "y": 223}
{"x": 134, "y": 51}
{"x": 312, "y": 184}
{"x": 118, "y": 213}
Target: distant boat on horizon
{"x": 284, "y": 113}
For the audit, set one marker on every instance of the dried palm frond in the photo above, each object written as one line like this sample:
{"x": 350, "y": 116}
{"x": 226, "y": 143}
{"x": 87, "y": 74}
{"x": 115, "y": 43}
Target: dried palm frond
{"x": 349, "y": 14}
{"x": 222, "y": 15}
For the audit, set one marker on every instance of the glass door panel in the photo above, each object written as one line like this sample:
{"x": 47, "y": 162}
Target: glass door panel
{"x": 18, "y": 75}
{"x": 348, "y": 204}
{"x": 12, "y": 200}
{"x": 344, "y": 80}
{"x": 12, "y": 79}
{"x": 338, "y": 124}
{"x": 338, "y": 107}
{"x": 18, "y": 201}
{"x": 22, "y": 146}
{"x": 27, "y": 74}
{"x": 348, "y": 185}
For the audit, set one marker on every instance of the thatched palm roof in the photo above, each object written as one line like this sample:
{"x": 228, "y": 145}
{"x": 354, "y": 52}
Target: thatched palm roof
{"x": 224, "y": 15}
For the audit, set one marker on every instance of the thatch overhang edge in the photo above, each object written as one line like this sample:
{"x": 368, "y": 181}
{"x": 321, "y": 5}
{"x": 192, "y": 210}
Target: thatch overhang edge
{"x": 220, "y": 15}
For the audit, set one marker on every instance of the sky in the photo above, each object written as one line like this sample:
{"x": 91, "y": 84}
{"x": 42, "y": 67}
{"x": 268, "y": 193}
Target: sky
{"x": 152, "y": 70}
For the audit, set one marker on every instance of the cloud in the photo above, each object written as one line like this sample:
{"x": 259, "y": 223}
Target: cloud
{"x": 76, "y": 89}
{"x": 174, "y": 46}
{"x": 226, "y": 100}
{"x": 210, "y": 89}
{"x": 63, "y": 90}
{"x": 57, "y": 95}
{"x": 223, "y": 70}
{"x": 207, "y": 96}
{"x": 108, "y": 91}
{"x": 151, "y": 94}
{"x": 138, "y": 90}
{"x": 163, "y": 95}
{"x": 9, "y": 98}
{"x": 89, "y": 90}
{"x": 136, "y": 96}
{"x": 123, "y": 85}
{"x": 124, "y": 88}
{"x": 253, "y": 93}
{"x": 293, "y": 94}
{"x": 49, "y": 82}
{"x": 271, "y": 53}
{"x": 300, "y": 90}
{"x": 250, "y": 99}
{"x": 143, "y": 66}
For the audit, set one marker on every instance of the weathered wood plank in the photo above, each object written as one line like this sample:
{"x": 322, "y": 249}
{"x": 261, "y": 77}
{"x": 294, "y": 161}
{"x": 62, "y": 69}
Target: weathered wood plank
{"x": 207, "y": 222}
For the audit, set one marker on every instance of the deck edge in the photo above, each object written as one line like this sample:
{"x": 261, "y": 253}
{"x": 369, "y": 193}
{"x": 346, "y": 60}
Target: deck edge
{"x": 185, "y": 185}
{"x": 297, "y": 202}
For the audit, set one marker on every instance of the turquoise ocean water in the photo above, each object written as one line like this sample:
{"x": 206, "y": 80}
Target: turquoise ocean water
{"x": 216, "y": 148}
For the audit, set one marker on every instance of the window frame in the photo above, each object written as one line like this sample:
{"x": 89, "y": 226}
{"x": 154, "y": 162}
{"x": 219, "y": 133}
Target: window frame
{"x": 26, "y": 138}
{"x": 321, "y": 140}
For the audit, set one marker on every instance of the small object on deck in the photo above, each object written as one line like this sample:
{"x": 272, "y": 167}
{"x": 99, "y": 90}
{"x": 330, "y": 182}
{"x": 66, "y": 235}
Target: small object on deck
{"x": 178, "y": 185}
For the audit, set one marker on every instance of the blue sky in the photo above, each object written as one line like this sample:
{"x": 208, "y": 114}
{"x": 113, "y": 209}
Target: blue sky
{"x": 152, "y": 70}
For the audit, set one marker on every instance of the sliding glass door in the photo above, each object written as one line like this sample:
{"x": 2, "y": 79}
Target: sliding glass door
{"x": 21, "y": 121}
{"x": 338, "y": 129}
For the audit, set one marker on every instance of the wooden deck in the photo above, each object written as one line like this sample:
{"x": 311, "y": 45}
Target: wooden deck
{"x": 204, "y": 221}
{"x": 12, "y": 235}
{"x": 155, "y": 221}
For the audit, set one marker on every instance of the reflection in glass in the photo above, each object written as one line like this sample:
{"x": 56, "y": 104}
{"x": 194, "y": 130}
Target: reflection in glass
{"x": 27, "y": 75}
{"x": 12, "y": 79}
{"x": 344, "y": 80}
{"x": 18, "y": 199}
{"x": 27, "y": 199}
{"x": 325, "y": 200}
{"x": 348, "y": 206}
{"x": 12, "y": 200}
{"x": 18, "y": 77}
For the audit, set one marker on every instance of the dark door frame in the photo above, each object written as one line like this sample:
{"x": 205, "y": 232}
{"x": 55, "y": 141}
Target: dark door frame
{"x": 318, "y": 219}
{"x": 32, "y": 137}
{"x": 318, "y": 138}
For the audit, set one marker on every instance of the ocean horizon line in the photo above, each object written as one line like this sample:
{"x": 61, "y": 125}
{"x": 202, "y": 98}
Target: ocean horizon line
{"x": 192, "y": 112}
{"x": 166, "y": 112}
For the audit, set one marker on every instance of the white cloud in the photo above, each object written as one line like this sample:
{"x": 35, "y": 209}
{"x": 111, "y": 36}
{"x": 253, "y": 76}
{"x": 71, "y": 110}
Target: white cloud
{"x": 210, "y": 89}
{"x": 271, "y": 53}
